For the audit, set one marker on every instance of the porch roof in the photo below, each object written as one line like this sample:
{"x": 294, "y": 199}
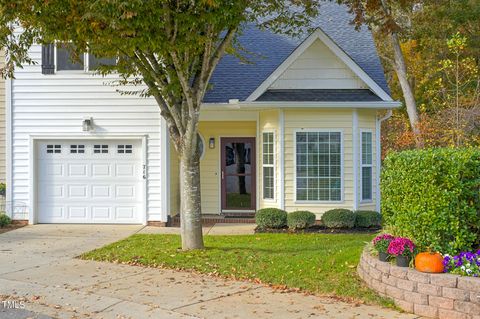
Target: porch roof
{"x": 315, "y": 95}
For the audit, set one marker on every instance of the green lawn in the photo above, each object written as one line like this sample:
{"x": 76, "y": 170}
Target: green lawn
{"x": 319, "y": 263}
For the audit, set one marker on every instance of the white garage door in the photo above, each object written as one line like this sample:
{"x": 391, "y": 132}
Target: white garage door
{"x": 89, "y": 181}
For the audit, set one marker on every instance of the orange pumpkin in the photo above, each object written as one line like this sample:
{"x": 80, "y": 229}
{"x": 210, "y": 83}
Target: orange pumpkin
{"x": 429, "y": 262}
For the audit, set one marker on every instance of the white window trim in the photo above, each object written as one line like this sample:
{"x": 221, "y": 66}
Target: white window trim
{"x": 370, "y": 200}
{"x": 270, "y": 165}
{"x": 342, "y": 166}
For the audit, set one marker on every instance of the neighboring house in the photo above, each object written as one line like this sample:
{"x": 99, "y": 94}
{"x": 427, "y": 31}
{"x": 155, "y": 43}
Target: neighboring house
{"x": 298, "y": 129}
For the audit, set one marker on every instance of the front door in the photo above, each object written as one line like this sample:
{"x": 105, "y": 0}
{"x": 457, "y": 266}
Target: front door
{"x": 238, "y": 174}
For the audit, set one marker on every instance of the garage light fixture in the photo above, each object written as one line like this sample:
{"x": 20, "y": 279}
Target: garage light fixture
{"x": 87, "y": 124}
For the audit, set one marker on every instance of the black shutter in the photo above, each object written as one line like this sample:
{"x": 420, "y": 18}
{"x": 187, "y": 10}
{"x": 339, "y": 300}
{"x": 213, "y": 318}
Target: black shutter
{"x": 48, "y": 58}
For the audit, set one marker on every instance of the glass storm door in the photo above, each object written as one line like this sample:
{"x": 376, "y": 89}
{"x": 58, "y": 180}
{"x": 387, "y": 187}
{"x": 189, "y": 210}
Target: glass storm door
{"x": 238, "y": 173}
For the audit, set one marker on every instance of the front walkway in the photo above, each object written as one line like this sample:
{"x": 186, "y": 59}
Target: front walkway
{"x": 38, "y": 269}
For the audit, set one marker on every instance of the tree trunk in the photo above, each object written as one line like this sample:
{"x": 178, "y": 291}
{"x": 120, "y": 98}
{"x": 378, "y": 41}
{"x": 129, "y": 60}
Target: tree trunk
{"x": 411, "y": 104}
{"x": 191, "y": 210}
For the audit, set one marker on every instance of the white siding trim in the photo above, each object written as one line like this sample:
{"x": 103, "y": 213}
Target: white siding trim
{"x": 319, "y": 34}
{"x": 281, "y": 182}
{"x": 342, "y": 165}
{"x": 165, "y": 168}
{"x": 8, "y": 143}
{"x": 378, "y": 162}
{"x": 355, "y": 157}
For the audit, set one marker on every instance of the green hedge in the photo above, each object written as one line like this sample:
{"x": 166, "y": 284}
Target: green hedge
{"x": 367, "y": 219}
{"x": 300, "y": 219}
{"x": 4, "y": 220}
{"x": 432, "y": 196}
{"x": 271, "y": 218}
{"x": 339, "y": 218}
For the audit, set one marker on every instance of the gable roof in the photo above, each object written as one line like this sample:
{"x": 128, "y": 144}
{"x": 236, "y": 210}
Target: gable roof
{"x": 266, "y": 51}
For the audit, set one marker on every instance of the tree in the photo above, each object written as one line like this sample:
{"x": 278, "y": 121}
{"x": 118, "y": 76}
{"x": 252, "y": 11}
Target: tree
{"x": 170, "y": 48}
{"x": 391, "y": 17}
{"x": 431, "y": 66}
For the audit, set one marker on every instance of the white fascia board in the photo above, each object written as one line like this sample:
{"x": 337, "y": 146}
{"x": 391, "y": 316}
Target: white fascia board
{"x": 265, "y": 105}
{"x": 322, "y": 36}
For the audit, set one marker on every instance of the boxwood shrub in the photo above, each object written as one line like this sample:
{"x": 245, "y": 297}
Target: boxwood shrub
{"x": 367, "y": 219}
{"x": 4, "y": 220}
{"x": 271, "y": 218}
{"x": 300, "y": 219}
{"x": 432, "y": 196}
{"x": 339, "y": 218}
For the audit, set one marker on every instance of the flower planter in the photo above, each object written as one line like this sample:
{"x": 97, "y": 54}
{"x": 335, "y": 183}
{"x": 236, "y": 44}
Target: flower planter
{"x": 382, "y": 256}
{"x": 402, "y": 261}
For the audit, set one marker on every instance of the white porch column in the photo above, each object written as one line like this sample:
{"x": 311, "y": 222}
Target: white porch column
{"x": 355, "y": 157}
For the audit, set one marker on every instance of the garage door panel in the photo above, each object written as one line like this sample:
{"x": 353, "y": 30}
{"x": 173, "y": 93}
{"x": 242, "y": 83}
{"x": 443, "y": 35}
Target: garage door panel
{"x": 101, "y": 191}
{"x": 99, "y": 213}
{"x": 78, "y": 170}
{"x": 101, "y": 170}
{"x": 89, "y": 181}
{"x": 125, "y": 212}
{"x": 78, "y": 212}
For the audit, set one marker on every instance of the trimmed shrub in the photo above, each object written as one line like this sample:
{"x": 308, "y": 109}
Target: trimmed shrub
{"x": 432, "y": 196}
{"x": 300, "y": 219}
{"x": 339, "y": 218}
{"x": 367, "y": 219}
{"x": 271, "y": 218}
{"x": 4, "y": 220}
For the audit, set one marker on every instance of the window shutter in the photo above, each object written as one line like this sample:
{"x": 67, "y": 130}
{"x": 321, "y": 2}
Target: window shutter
{"x": 48, "y": 58}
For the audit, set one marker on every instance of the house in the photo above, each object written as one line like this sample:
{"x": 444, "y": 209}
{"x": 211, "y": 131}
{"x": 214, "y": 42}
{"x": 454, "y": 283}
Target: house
{"x": 298, "y": 129}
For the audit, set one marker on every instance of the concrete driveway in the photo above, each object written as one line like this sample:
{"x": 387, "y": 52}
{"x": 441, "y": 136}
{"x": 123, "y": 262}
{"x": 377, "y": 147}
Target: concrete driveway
{"x": 41, "y": 278}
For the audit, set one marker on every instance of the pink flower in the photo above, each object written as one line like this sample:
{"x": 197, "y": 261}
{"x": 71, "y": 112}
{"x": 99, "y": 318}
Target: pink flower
{"x": 381, "y": 237}
{"x": 401, "y": 246}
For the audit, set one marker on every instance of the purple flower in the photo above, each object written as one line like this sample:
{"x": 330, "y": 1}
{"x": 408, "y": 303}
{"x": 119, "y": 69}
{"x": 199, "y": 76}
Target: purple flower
{"x": 401, "y": 246}
{"x": 465, "y": 263}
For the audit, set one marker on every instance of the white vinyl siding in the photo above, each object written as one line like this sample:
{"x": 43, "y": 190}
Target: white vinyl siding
{"x": 318, "y": 166}
{"x": 367, "y": 166}
{"x": 268, "y": 163}
{"x": 55, "y": 105}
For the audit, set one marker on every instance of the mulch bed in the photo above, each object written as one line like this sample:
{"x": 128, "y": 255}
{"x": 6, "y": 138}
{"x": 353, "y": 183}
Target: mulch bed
{"x": 10, "y": 227}
{"x": 317, "y": 229}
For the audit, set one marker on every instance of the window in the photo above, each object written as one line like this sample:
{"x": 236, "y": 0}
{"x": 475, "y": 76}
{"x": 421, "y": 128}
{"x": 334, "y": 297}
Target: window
{"x": 74, "y": 149}
{"x": 319, "y": 166}
{"x": 94, "y": 62}
{"x": 125, "y": 149}
{"x": 66, "y": 61}
{"x": 51, "y": 149}
{"x": 367, "y": 168}
{"x": 97, "y": 149}
{"x": 268, "y": 165}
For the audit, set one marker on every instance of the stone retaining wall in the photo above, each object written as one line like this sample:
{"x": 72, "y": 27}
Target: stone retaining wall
{"x": 443, "y": 296}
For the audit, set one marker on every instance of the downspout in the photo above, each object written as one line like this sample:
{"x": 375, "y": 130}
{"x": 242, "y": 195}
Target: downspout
{"x": 378, "y": 136}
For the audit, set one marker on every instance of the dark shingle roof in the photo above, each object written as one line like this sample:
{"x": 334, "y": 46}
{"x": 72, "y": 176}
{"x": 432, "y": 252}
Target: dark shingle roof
{"x": 323, "y": 95}
{"x": 235, "y": 79}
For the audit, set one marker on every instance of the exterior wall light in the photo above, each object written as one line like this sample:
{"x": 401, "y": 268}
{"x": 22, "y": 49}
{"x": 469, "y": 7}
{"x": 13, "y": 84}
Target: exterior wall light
{"x": 87, "y": 124}
{"x": 211, "y": 142}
